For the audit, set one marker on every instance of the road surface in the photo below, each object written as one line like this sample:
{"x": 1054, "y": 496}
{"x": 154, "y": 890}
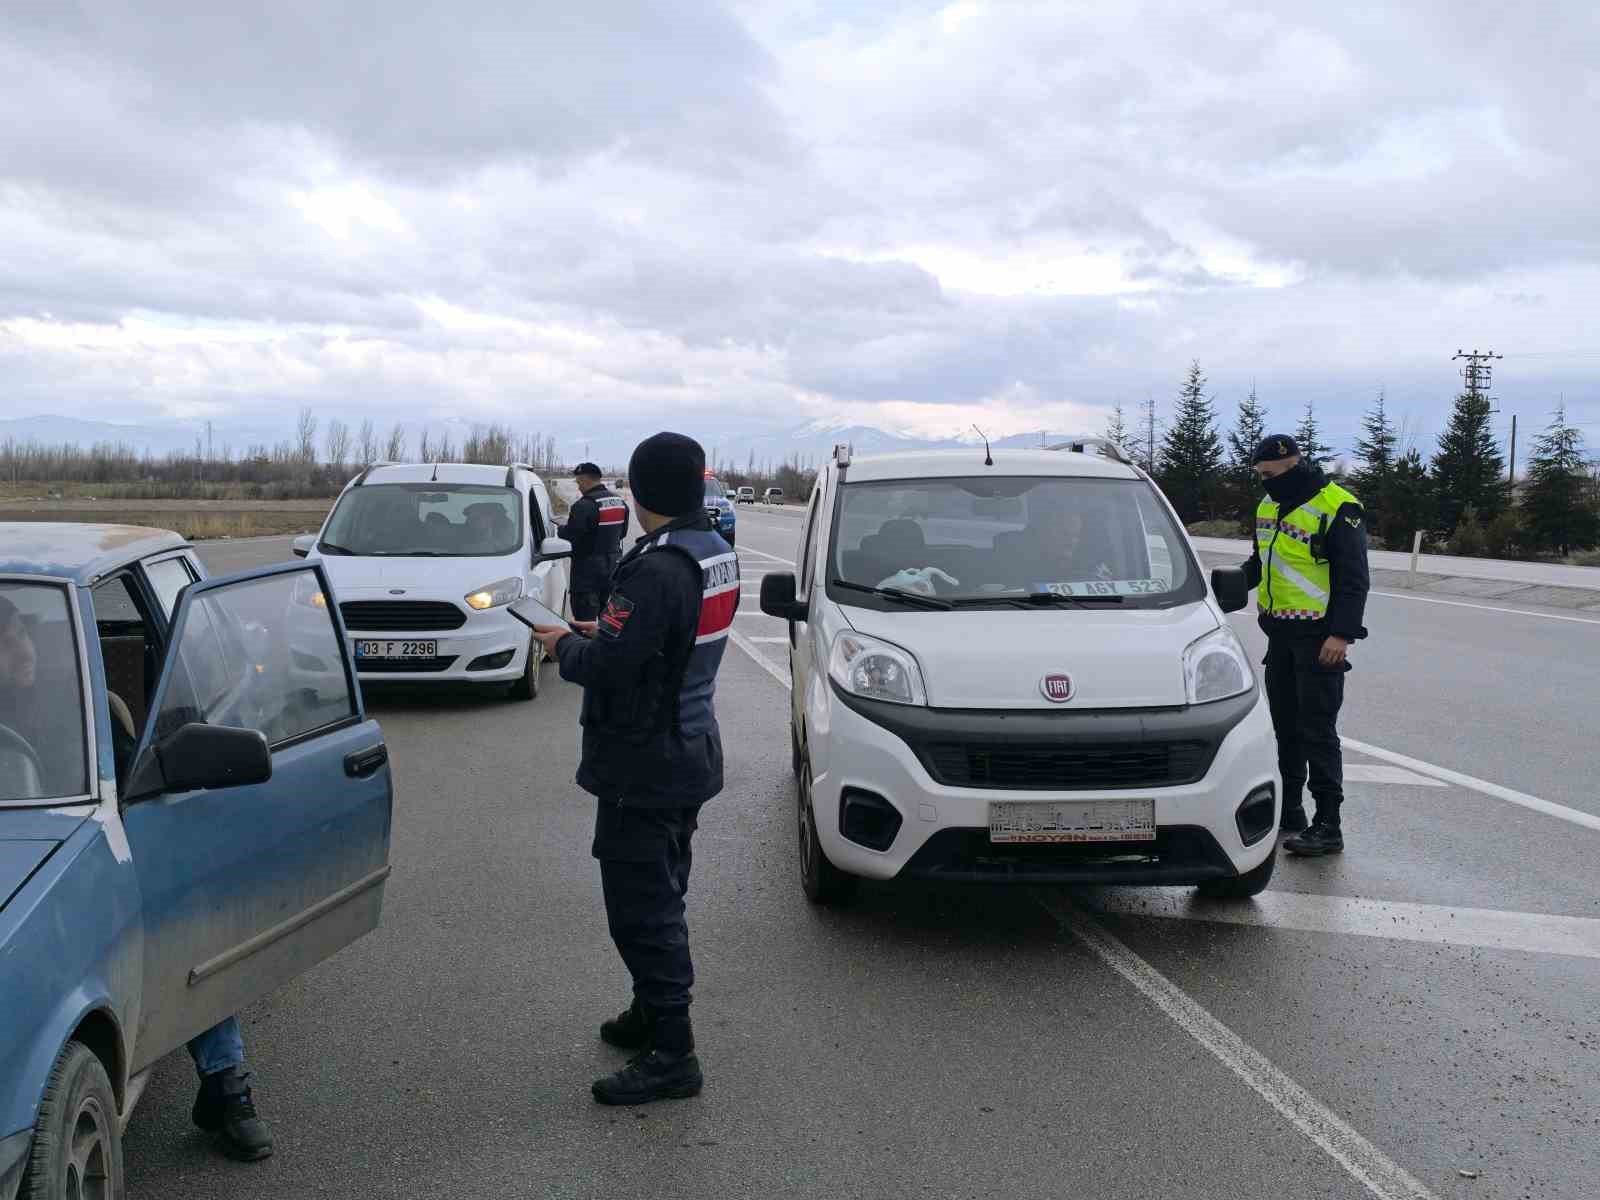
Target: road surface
{"x": 1416, "y": 1018}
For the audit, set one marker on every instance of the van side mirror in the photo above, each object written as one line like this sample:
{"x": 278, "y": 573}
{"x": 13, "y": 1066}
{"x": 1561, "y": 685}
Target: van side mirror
{"x": 1231, "y": 589}
{"x": 553, "y": 548}
{"x": 777, "y": 597}
{"x": 200, "y": 756}
{"x": 303, "y": 544}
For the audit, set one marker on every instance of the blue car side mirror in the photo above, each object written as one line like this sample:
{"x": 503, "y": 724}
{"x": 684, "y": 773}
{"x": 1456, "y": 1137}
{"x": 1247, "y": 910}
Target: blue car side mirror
{"x": 199, "y": 756}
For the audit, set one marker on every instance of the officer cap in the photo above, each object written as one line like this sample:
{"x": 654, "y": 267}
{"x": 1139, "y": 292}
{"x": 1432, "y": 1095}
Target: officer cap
{"x": 587, "y": 468}
{"x": 1274, "y": 447}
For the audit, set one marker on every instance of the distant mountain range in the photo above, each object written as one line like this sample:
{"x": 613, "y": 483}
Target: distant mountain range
{"x": 811, "y": 442}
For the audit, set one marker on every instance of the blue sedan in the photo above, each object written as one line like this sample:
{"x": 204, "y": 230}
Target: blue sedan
{"x": 194, "y": 809}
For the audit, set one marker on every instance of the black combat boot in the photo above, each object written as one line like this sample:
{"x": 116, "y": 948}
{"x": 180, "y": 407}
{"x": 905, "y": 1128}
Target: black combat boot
{"x": 1321, "y": 838}
{"x": 1293, "y": 819}
{"x": 629, "y": 1030}
{"x": 224, "y": 1107}
{"x": 668, "y": 1070}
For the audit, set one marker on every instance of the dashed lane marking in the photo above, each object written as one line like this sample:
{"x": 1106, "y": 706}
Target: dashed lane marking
{"x": 1377, "y": 773}
{"x": 762, "y": 660}
{"x": 1488, "y": 928}
{"x": 788, "y": 562}
{"x": 1363, "y": 1161}
{"x": 1518, "y": 612}
{"x": 1510, "y": 795}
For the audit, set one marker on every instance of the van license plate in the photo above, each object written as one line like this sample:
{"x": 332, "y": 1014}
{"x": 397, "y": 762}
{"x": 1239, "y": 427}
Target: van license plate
{"x": 428, "y": 649}
{"x": 1072, "y": 821}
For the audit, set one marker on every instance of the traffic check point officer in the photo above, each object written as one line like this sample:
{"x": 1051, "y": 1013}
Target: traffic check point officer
{"x": 596, "y": 525}
{"x": 652, "y": 751}
{"x": 1310, "y": 571}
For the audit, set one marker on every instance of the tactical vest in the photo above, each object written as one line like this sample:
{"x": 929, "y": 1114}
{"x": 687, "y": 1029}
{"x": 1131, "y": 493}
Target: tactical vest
{"x": 692, "y": 712}
{"x": 1295, "y": 578}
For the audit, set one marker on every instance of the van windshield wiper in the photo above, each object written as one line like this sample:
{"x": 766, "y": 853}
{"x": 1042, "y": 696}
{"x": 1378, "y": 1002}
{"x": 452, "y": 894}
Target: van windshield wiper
{"x": 333, "y": 548}
{"x": 1038, "y": 600}
{"x": 915, "y": 599}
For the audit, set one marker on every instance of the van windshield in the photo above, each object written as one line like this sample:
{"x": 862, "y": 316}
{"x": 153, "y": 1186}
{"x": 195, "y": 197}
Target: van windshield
{"x": 987, "y": 540}
{"x": 457, "y": 520}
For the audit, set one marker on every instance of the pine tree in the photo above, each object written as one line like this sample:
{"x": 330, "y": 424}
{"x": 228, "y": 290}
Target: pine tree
{"x": 1468, "y": 468}
{"x": 1248, "y": 429}
{"x": 1117, "y": 428}
{"x": 1410, "y": 504}
{"x": 1558, "y": 504}
{"x": 1373, "y": 481}
{"x": 1312, "y": 447}
{"x": 1191, "y": 453}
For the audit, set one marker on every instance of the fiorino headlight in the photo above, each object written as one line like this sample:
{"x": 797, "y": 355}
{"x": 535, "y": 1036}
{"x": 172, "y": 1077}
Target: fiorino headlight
{"x": 875, "y": 670}
{"x": 493, "y": 595}
{"x": 1215, "y": 667}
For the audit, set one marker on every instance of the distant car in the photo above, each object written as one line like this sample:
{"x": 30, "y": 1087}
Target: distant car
{"x": 194, "y": 809}
{"x": 747, "y": 495}
{"x": 424, "y": 559}
{"x": 772, "y": 496}
{"x": 719, "y": 506}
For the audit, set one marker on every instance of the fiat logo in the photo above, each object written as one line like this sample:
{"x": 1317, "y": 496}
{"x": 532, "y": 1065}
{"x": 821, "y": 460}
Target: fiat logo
{"x": 1056, "y": 688}
{"x": 397, "y": 591}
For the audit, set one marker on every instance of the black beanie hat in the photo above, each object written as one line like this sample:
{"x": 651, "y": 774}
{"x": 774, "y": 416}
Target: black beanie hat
{"x": 667, "y": 474}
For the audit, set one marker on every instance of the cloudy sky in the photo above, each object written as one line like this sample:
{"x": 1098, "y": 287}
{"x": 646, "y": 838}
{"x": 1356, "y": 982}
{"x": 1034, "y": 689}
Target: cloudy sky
{"x": 599, "y": 218}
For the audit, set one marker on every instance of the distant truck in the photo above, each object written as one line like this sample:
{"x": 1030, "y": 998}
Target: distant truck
{"x": 747, "y": 495}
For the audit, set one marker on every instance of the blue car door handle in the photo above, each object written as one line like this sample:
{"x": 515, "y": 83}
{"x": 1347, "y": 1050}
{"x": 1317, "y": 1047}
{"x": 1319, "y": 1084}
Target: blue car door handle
{"x": 361, "y": 763}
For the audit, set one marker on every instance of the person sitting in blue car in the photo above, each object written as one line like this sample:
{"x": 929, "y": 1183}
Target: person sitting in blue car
{"x": 30, "y": 713}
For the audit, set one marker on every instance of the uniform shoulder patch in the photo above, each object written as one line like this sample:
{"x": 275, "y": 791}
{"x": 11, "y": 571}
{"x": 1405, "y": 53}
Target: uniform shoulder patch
{"x": 1352, "y": 514}
{"x": 614, "y": 617}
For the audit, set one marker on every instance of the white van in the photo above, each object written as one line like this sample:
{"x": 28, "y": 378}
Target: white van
{"x": 425, "y": 557}
{"x": 1017, "y": 672}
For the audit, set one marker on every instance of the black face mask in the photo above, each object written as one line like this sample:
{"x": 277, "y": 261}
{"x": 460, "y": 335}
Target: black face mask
{"x": 1288, "y": 485}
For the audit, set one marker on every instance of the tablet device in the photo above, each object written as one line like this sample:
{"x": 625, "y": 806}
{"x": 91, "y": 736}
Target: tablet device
{"x": 531, "y": 612}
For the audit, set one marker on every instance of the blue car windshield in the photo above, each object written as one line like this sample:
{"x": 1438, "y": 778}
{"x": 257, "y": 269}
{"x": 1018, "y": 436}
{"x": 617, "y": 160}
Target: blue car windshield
{"x": 42, "y": 730}
{"x": 715, "y": 493}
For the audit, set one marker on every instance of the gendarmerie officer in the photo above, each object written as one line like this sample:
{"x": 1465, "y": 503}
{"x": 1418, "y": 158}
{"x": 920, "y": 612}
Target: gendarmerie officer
{"x": 596, "y": 525}
{"x": 652, "y": 752}
{"x": 1310, "y": 571}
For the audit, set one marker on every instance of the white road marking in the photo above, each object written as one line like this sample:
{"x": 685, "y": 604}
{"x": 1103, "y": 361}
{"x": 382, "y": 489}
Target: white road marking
{"x": 762, "y": 553}
{"x": 762, "y": 660}
{"x": 1368, "y": 1165}
{"x": 1517, "y": 612}
{"x": 781, "y": 640}
{"x": 1493, "y": 929}
{"x": 1509, "y": 795}
{"x": 1373, "y": 773}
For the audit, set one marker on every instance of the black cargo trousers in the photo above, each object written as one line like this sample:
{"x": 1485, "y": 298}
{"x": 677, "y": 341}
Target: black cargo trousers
{"x": 1305, "y": 698}
{"x": 645, "y": 856}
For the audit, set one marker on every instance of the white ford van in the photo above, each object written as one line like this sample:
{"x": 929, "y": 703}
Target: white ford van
{"x": 1010, "y": 667}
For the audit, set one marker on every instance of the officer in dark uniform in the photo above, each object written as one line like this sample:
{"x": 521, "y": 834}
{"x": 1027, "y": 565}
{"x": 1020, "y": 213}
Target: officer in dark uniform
{"x": 596, "y": 525}
{"x": 652, "y": 751}
{"x": 1310, "y": 571}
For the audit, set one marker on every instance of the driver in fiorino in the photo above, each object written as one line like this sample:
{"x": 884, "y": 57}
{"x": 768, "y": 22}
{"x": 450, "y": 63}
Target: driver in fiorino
{"x": 30, "y": 708}
{"x": 1310, "y": 571}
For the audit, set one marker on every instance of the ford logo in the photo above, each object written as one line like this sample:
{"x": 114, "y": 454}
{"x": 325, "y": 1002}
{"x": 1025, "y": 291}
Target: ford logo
{"x": 1056, "y": 688}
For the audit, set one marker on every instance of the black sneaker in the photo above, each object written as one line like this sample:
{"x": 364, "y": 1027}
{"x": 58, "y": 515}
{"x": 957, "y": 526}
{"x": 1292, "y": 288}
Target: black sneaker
{"x": 1318, "y": 840}
{"x": 628, "y": 1030}
{"x": 654, "y": 1075}
{"x": 1294, "y": 819}
{"x": 224, "y": 1107}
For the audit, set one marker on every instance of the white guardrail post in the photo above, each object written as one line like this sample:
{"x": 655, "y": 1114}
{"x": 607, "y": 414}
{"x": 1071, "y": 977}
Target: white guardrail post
{"x": 1416, "y": 549}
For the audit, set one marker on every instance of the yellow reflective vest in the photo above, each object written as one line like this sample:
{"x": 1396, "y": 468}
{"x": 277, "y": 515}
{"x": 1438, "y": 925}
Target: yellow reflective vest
{"x": 1295, "y": 578}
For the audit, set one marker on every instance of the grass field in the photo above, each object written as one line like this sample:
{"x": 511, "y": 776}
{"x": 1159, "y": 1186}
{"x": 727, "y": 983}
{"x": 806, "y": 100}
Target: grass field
{"x": 196, "y": 519}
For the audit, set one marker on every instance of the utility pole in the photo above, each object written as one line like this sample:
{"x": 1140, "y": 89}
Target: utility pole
{"x": 1513, "y": 471}
{"x": 1478, "y": 375}
{"x": 1149, "y": 432}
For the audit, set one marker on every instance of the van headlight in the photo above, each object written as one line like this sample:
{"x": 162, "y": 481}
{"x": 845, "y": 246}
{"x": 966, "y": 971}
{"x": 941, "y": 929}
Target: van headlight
{"x": 875, "y": 670}
{"x": 1215, "y": 667}
{"x": 493, "y": 595}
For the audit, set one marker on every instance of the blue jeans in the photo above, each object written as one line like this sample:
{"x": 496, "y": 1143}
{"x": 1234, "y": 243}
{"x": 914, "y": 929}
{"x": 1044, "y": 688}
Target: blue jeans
{"x": 218, "y": 1048}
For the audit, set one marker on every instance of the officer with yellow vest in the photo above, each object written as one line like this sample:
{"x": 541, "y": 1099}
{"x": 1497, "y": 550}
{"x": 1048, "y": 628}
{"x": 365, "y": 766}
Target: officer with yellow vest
{"x": 1310, "y": 572}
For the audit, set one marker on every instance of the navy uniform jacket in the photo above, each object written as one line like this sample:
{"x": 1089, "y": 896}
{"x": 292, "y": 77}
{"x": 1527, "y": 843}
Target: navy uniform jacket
{"x": 650, "y": 733}
{"x": 596, "y": 525}
{"x": 1349, "y": 579}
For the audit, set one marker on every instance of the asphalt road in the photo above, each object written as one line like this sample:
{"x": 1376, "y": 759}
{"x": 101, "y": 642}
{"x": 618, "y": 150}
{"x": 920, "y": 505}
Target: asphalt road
{"x": 1416, "y": 1018}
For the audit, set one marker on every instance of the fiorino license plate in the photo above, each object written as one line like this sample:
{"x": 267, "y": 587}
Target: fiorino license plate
{"x": 428, "y": 649}
{"x": 1072, "y": 821}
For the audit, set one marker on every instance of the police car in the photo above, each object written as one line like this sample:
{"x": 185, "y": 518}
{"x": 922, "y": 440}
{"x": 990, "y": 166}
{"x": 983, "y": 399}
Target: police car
{"x": 1010, "y": 667}
{"x": 425, "y": 558}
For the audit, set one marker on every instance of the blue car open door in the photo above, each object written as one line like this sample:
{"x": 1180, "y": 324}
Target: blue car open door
{"x": 258, "y": 807}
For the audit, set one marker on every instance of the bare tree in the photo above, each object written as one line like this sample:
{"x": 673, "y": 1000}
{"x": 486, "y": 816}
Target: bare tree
{"x": 367, "y": 443}
{"x": 306, "y": 436}
{"x": 337, "y": 443}
{"x": 395, "y": 451}
{"x": 424, "y": 446}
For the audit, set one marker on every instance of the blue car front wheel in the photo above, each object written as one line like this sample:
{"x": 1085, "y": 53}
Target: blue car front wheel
{"x": 77, "y": 1147}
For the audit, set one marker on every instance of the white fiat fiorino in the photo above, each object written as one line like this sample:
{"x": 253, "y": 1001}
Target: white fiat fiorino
{"x": 1009, "y": 667}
